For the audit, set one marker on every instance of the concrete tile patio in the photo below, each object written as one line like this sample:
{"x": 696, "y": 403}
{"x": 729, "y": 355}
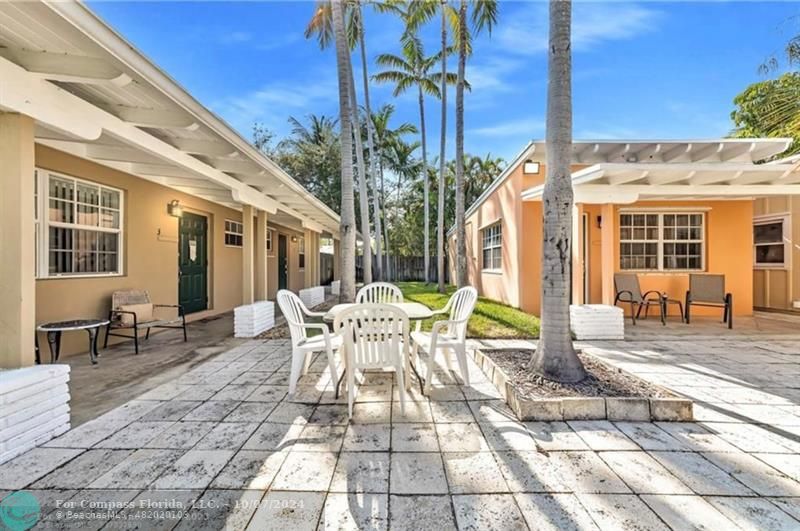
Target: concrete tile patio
{"x": 222, "y": 446}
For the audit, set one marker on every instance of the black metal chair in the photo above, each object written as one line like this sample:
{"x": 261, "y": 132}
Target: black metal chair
{"x": 709, "y": 290}
{"x": 117, "y": 320}
{"x": 627, "y": 288}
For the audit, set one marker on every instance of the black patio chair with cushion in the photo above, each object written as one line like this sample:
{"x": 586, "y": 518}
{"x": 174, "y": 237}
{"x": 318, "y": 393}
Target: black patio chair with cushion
{"x": 133, "y": 310}
{"x": 709, "y": 290}
{"x": 626, "y": 286}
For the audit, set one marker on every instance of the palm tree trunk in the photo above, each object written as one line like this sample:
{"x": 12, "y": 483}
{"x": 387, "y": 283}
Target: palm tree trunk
{"x": 363, "y": 194}
{"x": 442, "y": 154}
{"x": 347, "y": 227}
{"x": 370, "y": 144}
{"x": 461, "y": 233}
{"x": 426, "y": 185}
{"x": 555, "y": 357}
{"x": 385, "y": 227}
{"x": 397, "y": 221}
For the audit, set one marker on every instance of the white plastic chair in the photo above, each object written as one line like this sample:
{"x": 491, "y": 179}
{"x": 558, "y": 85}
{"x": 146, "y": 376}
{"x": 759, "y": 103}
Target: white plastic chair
{"x": 379, "y": 293}
{"x": 303, "y": 346}
{"x": 374, "y": 335}
{"x": 451, "y": 333}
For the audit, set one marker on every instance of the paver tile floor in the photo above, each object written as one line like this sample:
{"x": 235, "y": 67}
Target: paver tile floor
{"x": 224, "y": 446}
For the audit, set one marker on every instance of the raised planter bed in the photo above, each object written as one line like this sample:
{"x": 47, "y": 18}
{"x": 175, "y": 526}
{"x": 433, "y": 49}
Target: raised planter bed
{"x": 34, "y": 407}
{"x": 639, "y": 400}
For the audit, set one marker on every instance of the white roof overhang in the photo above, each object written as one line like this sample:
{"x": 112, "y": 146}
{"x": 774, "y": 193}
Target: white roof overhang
{"x": 674, "y": 151}
{"x": 94, "y": 95}
{"x": 625, "y": 183}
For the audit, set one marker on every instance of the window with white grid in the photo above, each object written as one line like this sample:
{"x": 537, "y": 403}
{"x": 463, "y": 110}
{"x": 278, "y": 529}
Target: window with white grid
{"x": 661, "y": 241}
{"x": 78, "y": 227}
{"x": 234, "y": 233}
{"x": 492, "y": 239}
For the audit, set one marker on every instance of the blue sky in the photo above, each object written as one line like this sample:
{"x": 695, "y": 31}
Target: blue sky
{"x": 641, "y": 70}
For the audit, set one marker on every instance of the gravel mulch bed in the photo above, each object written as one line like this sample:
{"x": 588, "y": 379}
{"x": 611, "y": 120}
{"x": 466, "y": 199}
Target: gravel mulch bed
{"x": 603, "y": 380}
{"x": 281, "y": 331}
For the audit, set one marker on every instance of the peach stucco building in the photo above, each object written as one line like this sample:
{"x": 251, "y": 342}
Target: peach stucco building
{"x": 114, "y": 177}
{"x": 660, "y": 209}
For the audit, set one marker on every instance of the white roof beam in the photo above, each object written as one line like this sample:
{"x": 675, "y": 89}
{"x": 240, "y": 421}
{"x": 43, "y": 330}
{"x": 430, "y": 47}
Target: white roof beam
{"x": 585, "y": 151}
{"x": 119, "y": 154}
{"x": 650, "y": 153}
{"x": 618, "y": 153}
{"x": 189, "y": 182}
{"x": 65, "y": 67}
{"x": 710, "y": 153}
{"x": 244, "y": 167}
{"x": 204, "y": 147}
{"x": 713, "y": 177}
{"x": 722, "y": 190}
{"x": 218, "y": 195}
{"x": 670, "y": 177}
{"x": 738, "y": 152}
{"x": 679, "y": 153}
{"x": 161, "y": 170}
{"x": 153, "y": 118}
{"x": 628, "y": 177}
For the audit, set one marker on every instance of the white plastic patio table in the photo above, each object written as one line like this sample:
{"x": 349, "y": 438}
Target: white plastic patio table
{"x": 415, "y": 312}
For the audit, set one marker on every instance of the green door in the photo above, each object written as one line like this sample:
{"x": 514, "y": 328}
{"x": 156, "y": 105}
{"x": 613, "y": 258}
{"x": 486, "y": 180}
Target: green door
{"x": 193, "y": 262}
{"x": 283, "y": 263}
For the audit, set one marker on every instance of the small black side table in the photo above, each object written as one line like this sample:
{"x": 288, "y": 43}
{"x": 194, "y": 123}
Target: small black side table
{"x": 54, "y": 330}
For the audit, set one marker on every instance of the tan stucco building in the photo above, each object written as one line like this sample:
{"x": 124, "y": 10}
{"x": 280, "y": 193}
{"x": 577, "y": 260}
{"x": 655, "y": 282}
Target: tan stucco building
{"x": 114, "y": 177}
{"x": 660, "y": 209}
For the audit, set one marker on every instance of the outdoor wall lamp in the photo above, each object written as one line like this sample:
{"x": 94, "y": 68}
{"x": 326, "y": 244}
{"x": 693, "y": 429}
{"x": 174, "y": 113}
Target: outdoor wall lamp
{"x": 599, "y": 222}
{"x": 294, "y": 239}
{"x": 174, "y": 208}
{"x": 530, "y": 167}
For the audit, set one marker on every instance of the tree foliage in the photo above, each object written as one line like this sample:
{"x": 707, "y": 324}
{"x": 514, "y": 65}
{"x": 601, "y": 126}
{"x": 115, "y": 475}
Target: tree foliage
{"x": 770, "y": 108}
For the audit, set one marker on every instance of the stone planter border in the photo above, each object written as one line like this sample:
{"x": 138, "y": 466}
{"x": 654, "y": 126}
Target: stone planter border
{"x": 672, "y": 408}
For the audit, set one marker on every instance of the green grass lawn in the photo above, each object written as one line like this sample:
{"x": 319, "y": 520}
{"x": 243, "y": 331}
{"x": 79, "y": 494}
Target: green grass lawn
{"x": 490, "y": 319}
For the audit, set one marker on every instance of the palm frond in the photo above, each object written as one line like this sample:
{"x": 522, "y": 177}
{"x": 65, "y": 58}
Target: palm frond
{"x": 394, "y": 61}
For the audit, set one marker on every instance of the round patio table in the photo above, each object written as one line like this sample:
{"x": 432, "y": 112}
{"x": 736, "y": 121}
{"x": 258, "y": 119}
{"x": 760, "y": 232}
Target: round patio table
{"x": 415, "y": 311}
{"x": 54, "y": 331}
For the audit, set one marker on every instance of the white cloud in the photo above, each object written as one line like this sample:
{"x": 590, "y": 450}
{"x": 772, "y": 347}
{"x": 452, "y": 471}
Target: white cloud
{"x": 274, "y": 103}
{"x": 519, "y": 128}
{"x": 236, "y": 37}
{"x": 592, "y": 24}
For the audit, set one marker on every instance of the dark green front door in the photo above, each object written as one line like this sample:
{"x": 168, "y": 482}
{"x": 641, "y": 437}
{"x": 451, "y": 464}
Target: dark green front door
{"x": 283, "y": 263}
{"x": 193, "y": 262}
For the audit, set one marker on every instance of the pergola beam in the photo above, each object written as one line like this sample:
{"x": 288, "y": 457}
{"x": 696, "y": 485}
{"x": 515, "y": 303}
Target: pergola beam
{"x": 153, "y": 118}
{"x": 67, "y": 67}
{"x": 204, "y": 147}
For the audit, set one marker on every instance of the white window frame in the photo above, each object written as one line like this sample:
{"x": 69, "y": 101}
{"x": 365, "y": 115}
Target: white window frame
{"x": 270, "y": 242}
{"x": 231, "y": 232}
{"x": 301, "y": 251}
{"x": 499, "y": 245}
{"x": 42, "y": 225}
{"x": 661, "y": 241}
{"x": 785, "y": 220}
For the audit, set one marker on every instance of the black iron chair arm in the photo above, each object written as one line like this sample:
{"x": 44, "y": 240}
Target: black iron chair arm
{"x": 619, "y": 296}
{"x": 113, "y": 313}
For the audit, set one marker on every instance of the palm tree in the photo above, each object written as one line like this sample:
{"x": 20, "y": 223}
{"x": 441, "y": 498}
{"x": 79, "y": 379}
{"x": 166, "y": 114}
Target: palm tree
{"x": 347, "y": 226}
{"x": 442, "y": 156}
{"x": 385, "y": 137}
{"x": 484, "y": 14}
{"x": 320, "y": 25}
{"x": 413, "y": 69}
{"x": 555, "y": 357}
{"x": 359, "y": 29}
{"x": 421, "y": 11}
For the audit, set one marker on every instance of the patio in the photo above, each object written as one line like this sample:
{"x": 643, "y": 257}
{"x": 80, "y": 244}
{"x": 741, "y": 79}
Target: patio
{"x": 224, "y": 436}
